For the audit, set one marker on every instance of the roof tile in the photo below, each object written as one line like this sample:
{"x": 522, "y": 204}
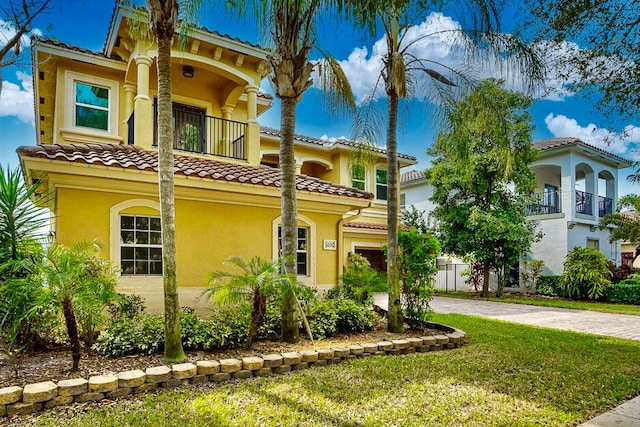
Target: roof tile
{"x": 551, "y": 143}
{"x": 132, "y": 157}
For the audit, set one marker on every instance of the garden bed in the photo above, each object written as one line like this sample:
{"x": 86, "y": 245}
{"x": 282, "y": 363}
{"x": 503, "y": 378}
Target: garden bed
{"x": 55, "y": 363}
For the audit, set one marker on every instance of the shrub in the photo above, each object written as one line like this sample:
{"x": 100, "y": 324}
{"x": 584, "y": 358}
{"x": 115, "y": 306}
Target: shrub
{"x": 126, "y": 305}
{"x": 531, "y": 274}
{"x": 550, "y": 286}
{"x": 625, "y": 292}
{"x": 618, "y": 274}
{"x": 328, "y": 317}
{"x": 586, "y": 273}
{"x": 144, "y": 333}
{"x": 359, "y": 281}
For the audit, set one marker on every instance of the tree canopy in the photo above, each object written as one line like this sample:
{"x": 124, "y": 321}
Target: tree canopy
{"x": 606, "y": 60}
{"x": 481, "y": 178}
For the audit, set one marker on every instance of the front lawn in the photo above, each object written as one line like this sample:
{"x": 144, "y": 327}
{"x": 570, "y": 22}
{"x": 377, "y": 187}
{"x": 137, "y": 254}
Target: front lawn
{"x": 508, "y": 374}
{"x": 542, "y": 301}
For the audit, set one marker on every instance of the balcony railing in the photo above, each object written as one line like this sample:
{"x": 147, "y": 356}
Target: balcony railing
{"x": 605, "y": 205}
{"x": 198, "y": 133}
{"x": 584, "y": 203}
{"x": 544, "y": 203}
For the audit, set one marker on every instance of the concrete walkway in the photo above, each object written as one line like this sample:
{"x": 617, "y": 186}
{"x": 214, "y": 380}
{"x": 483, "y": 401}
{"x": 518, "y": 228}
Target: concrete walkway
{"x": 590, "y": 322}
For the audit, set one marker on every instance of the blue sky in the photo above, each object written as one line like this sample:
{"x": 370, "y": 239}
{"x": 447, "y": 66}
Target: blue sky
{"x": 85, "y": 24}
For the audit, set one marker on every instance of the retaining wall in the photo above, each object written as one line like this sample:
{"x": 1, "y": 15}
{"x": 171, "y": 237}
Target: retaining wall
{"x": 48, "y": 394}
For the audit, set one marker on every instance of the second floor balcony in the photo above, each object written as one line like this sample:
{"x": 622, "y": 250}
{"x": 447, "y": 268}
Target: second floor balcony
{"x": 195, "y": 132}
{"x": 544, "y": 203}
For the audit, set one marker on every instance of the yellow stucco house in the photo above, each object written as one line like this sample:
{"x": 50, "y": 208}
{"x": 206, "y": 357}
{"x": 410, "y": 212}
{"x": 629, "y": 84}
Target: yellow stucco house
{"x": 96, "y": 156}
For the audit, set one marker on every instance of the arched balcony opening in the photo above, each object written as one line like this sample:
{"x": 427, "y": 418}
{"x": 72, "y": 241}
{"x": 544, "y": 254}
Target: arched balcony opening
{"x": 585, "y": 189}
{"x": 606, "y": 193}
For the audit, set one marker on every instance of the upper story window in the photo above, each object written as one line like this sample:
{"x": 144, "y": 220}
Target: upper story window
{"x": 91, "y": 104}
{"x": 140, "y": 245}
{"x": 381, "y": 184}
{"x": 403, "y": 200}
{"x": 358, "y": 177}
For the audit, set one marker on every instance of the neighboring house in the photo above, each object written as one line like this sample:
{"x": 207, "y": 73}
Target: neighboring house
{"x": 97, "y": 158}
{"x": 576, "y": 185}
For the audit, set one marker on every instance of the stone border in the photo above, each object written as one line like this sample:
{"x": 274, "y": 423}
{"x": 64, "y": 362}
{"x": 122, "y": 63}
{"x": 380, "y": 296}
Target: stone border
{"x": 46, "y": 395}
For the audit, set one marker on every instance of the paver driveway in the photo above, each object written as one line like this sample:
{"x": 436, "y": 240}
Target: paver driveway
{"x": 591, "y": 322}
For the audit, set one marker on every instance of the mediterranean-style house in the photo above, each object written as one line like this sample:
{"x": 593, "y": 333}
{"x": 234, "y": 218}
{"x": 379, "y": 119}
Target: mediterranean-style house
{"x": 97, "y": 159}
{"x": 577, "y": 183}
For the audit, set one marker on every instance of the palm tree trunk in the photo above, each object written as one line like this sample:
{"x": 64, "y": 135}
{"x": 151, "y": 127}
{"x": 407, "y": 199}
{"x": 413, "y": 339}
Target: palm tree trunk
{"x": 290, "y": 332}
{"x": 395, "y": 318}
{"x": 173, "y": 351}
{"x": 485, "y": 279}
{"x": 72, "y": 331}
{"x": 257, "y": 314}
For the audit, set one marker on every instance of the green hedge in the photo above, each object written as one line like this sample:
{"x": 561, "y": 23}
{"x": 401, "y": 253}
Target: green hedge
{"x": 550, "y": 286}
{"x": 623, "y": 293}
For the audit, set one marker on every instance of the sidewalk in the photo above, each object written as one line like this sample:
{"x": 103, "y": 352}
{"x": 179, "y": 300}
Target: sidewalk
{"x": 590, "y": 322}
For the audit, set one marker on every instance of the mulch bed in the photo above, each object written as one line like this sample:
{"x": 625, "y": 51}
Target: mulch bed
{"x": 54, "y": 364}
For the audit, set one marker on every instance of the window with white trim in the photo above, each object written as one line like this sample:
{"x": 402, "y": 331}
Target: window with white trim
{"x": 403, "y": 200}
{"x": 358, "y": 177}
{"x": 91, "y": 104}
{"x": 140, "y": 245}
{"x": 302, "y": 250}
{"x": 381, "y": 184}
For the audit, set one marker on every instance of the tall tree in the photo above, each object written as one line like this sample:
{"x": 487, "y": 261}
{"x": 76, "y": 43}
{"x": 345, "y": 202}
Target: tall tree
{"x": 163, "y": 19}
{"x": 400, "y": 71}
{"x": 292, "y": 28}
{"x": 481, "y": 179}
{"x": 18, "y": 17}
{"x": 606, "y": 63}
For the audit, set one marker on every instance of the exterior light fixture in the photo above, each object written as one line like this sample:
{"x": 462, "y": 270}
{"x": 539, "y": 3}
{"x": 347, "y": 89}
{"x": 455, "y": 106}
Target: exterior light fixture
{"x": 188, "y": 71}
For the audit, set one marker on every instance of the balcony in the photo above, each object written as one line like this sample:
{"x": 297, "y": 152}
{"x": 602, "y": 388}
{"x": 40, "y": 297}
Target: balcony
{"x": 584, "y": 203}
{"x": 605, "y": 205}
{"x": 544, "y": 203}
{"x": 196, "y": 132}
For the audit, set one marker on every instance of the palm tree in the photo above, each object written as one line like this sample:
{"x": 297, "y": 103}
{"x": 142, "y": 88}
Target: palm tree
{"x": 257, "y": 280}
{"x": 163, "y": 21}
{"x": 291, "y": 24}
{"x": 401, "y": 67}
{"x": 77, "y": 277}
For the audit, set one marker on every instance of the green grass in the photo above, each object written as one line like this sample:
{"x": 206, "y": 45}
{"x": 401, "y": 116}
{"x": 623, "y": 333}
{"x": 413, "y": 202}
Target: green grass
{"x": 604, "y": 307}
{"x": 508, "y": 374}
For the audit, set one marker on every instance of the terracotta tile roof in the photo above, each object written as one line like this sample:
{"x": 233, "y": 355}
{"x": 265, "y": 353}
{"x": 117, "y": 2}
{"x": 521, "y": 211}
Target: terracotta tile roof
{"x": 132, "y": 157}
{"x": 412, "y": 176}
{"x": 366, "y": 226}
{"x": 327, "y": 144}
{"x": 40, "y": 39}
{"x": 548, "y": 144}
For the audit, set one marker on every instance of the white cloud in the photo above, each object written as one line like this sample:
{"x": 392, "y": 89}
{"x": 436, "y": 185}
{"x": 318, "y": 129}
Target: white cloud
{"x": 440, "y": 40}
{"x": 624, "y": 144}
{"x": 17, "y": 99}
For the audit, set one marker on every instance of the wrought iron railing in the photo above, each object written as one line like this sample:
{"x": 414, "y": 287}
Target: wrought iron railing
{"x": 584, "y": 203}
{"x": 544, "y": 203}
{"x": 605, "y": 205}
{"x": 196, "y": 132}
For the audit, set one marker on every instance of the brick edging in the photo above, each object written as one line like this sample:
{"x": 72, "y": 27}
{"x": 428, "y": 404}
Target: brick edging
{"x": 46, "y": 395}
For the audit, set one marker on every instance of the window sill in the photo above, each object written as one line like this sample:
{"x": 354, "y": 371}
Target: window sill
{"x": 89, "y": 136}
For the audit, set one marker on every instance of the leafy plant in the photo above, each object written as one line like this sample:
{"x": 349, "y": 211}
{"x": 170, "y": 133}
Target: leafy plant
{"x": 359, "y": 281}
{"x": 550, "y": 286}
{"x": 144, "y": 333}
{"x": 586, "y": 273}
{"x": 417, "y": 264}
{"x": 81, "y": 285}
{"x": 256, "y": 281}
{"x": 627, "y": 292}
{"x": 126, "y": 305}
{"x": 531, "y": 274}
{"x": 328, "y": 317}
{"x": 474, "y": 274}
